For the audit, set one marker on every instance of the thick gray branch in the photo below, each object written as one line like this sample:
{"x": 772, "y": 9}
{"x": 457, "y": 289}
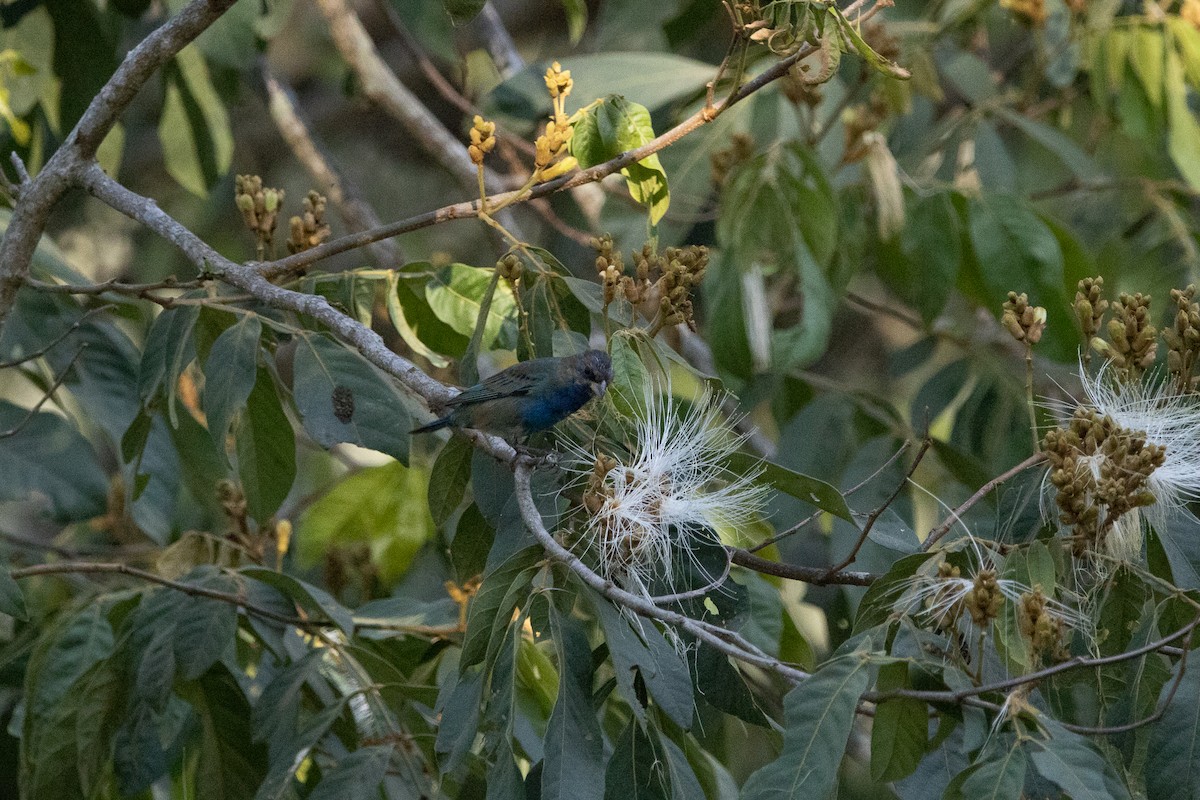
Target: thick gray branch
{"x": 38, "y": 197}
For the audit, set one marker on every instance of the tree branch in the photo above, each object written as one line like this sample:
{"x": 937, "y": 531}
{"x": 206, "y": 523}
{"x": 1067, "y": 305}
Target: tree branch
{"x": 39, "y": 195}
{"x": 726, "y": 641}
{"x": 941, "y": 530}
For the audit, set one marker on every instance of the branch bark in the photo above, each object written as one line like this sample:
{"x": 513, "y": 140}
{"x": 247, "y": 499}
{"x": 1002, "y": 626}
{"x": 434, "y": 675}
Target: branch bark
{"x": 38, "y": 196}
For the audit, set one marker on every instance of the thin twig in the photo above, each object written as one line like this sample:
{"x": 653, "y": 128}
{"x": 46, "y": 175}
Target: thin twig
{"x": 817, "y": 576}
{"x": 937, "y": 533}
{"x": 667, "y": 599}
{"x": 816, "y": 514}
{"x": 33, "y": 412}
{"x": 878, "y": 512}
{"x": 76, "y": 325}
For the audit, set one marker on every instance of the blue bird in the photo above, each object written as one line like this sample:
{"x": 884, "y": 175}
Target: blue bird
{"x": 529, "y": 397}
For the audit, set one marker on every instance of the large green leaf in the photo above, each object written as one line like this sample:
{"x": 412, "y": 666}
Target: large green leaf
{"x": 194, "y": 127}
{"x": 636, "y": 769}
{"x": 504, "y": 587}
{"x": 449, "y": 478}
{"x": 615, "y": 126}
{"x": 664, "y": 670}
{"x": 313, "y": 599}
{"x": 573, "y": 762}
{"x": 384, "y": 507}
{"x": 455, "y": 294}
{"x": 229, "y": 764}
{"x": 999, "y": 776}
{"x": 50, "y": 458}
{"x": 1071, "y": 763}
{"x": 1173, "y": 762}
{"x": 229, "y": 375}
{"x": 819, "y": 713}
{"x": 357, "y": 776}
{"x": 1017, "y": 251}
{"x": 266, "y": 450}
{"x": 343, "y": 398}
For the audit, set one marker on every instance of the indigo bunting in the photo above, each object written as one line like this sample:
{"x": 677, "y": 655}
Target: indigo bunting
{"x": 529, "y": 397}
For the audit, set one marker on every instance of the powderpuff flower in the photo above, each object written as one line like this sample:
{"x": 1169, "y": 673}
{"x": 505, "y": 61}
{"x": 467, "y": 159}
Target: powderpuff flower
{"x": 657, "y": 503}
{"x": 951, "y": 598}
{"x": 1169, "y": 419}
{"x": 1152, "y": 408}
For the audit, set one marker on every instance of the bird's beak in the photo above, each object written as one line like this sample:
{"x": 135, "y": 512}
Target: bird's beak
{"x": 598, "y": 388}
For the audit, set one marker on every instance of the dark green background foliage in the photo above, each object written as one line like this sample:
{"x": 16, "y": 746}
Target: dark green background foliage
{"x": 275, "y": 614}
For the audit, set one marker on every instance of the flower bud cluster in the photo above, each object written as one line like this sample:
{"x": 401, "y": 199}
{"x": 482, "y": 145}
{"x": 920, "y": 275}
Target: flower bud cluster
{"x": 682, "y": 270}
{"x": 984, "y": 600}
{"x": 1042, "y": 628}
{"x": 509, "y": 268}
{"x": 740, "y": 150}
{"x": 1026, "y": 323}
{"x": 1101, "y": 471}
{"x": 611, "y": 269}
{"x": 259, "y": 206}
{"x": 1132, "y": 341}
{"x": 1090, "y": 306}
{"x": 483, "y": 139}
{"x": 550, "y": 159}
{"x": 1183, "y": 337}
{"x": 309, "y": 229}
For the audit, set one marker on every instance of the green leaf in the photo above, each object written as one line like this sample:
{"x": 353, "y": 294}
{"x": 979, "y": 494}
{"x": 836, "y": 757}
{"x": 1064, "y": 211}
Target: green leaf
{"x": 1147, "y": 57}
{"x": 51, "y": 458}
{"x": 449, "y": 478}
{"x": 460, "y": 719}
{"x": 1071, "y": 763}
{"x": 310, "y": 598}
{"x": 1067, "y": 151}
{"x": 849, "y": 30}
{"x": 811, "y": 490}
{"x": 463, "y": 11}
{"x": 631, "y": 380}
{"x": 899, "y": 736}
{"x": 357, "y": 776}
{"x": 266, "y": 450}
{"x": 1017, "y": 251}
{"x": 169, "y": 348}
{"x": 343, "y": 398}
{"x": 721, "y": 684}
{"x": 473, "y": 539}
{"x": 922, "y": 263}
{"x": 230, "y": 373}
{"x": 573, "y": 765}
{"x": 636, "y": 770}
{"x": 1172, "y": 766}
{"x": 504, "y": 587}
{"x": 229, "y": 765}
{"x": 614, "y": 126}
{"x": 577, "y": 15}
{"x": 205, "y": 628}
{"x": 1183, "y": 133}
{"x": 382, "y": 506}
{"x": 1001, "y": 777}
{"x": 12, "y": 601}
{"x": 819, "y": 715}
{"x": 410, "y": 315}
{"x": 194, "y": 128}
{"x": 663, "y": 669}
{"x": 455, "y": 294}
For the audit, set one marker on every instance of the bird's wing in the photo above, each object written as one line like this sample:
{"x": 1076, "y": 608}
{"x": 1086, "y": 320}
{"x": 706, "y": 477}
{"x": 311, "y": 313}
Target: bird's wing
{"x": 515, "y": 381}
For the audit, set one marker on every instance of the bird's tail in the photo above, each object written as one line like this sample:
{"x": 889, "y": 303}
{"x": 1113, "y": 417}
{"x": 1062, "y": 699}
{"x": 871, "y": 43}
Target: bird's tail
{"x": 436, "y": 425}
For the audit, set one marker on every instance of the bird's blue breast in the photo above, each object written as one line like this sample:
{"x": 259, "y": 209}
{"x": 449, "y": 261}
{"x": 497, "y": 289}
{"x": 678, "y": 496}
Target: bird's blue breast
{"x": 546, "y": 410}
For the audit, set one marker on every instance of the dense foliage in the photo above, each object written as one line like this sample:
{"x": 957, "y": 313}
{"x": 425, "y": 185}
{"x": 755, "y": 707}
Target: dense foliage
{"x": 888, "y": 495}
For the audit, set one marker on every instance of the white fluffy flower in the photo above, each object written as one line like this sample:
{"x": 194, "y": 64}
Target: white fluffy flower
{"x": 651, "y": 507}
{"x": 1169, "y": 419}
